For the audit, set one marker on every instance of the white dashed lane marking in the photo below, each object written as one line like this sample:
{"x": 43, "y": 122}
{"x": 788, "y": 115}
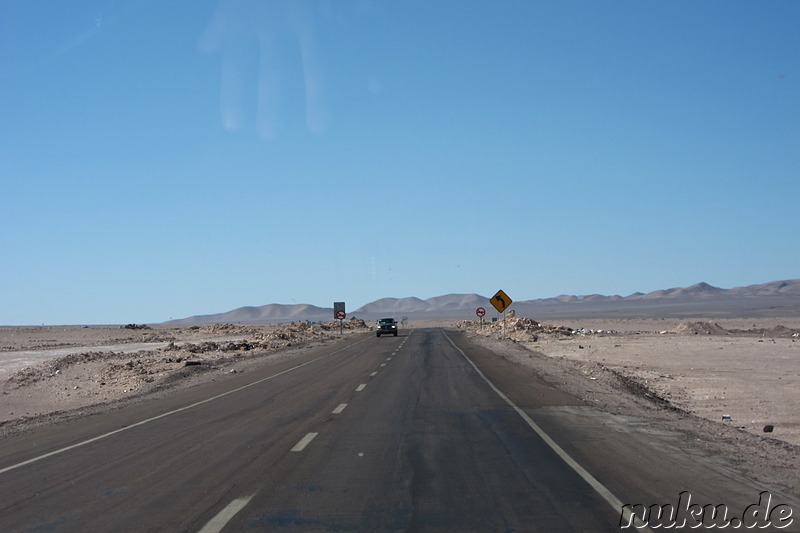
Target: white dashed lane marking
{"x": 300, "y": 446}
{"x": 217, "y": 523}
{"x": 173, "y": 412}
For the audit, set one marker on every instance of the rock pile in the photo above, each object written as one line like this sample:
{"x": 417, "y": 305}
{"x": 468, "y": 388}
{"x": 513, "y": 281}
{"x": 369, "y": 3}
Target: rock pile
{"x": 224, "y": 329}
{"x": 131, "y": 371}
{"x": 516, "y": 328}
{"x": 296, "y": 332}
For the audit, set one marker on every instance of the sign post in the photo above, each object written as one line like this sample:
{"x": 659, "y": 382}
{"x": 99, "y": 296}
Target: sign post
{"x": 339, "y": 314}
{"x": 501, "y": 301}
{"x": 481, "y": 312}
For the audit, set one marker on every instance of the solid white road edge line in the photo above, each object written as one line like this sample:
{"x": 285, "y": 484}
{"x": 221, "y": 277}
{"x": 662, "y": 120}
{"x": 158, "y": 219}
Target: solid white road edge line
{"x": 601, "y": 489}
{"x": 300, "y": 446}
{"x": 216, "y": 524}
{"x": 163, "y": 415}
{"x": 339, "y": 408}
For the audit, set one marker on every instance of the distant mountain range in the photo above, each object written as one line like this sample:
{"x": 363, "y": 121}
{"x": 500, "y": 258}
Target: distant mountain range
{"x": 778, "y": 298}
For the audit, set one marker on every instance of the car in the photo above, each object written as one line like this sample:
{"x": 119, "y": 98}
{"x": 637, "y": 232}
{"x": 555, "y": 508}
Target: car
{"x": 387, "y": 326}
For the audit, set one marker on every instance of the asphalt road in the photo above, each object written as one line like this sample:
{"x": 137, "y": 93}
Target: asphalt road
{"x": 420, "y": 432}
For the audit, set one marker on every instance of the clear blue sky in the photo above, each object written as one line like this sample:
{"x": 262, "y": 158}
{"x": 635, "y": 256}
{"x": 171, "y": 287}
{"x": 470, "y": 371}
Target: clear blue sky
{"x": 161, "y": 159}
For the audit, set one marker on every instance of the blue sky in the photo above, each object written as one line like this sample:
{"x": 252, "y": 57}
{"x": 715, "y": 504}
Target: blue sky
{"x": 161, "y": 159}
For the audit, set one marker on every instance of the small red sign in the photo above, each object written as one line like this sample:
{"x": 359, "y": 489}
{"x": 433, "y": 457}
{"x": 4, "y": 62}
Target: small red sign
{"x": 481, "y": 312}
{"x": 340, "y": 314}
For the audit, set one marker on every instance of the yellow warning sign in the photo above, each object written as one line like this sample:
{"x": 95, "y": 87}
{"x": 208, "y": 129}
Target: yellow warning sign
{"x": 500, "y": 301}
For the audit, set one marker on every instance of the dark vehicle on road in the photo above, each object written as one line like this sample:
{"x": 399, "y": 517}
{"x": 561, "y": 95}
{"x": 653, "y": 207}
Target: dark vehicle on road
{"x": 387, "y": 326}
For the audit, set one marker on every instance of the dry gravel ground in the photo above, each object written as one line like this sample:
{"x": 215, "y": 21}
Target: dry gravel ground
{"x": 49, "y": 373}
{"x": 745, "y": 371}
{"x": 717, "y": 382}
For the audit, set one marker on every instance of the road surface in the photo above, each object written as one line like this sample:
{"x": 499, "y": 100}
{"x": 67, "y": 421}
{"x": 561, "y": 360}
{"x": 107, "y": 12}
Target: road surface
{"x": 420, "y": 432}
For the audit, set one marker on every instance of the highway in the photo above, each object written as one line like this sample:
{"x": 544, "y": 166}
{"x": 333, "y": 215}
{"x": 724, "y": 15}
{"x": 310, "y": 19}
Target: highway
{"x": 421, "y": 432}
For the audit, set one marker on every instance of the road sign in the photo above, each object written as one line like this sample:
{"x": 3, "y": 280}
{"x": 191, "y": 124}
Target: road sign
{"x": 337, "y": 307}
{"x": 340, "y": 315}
{"x": 500, "y": 301}
{"x": 481, "y": 312}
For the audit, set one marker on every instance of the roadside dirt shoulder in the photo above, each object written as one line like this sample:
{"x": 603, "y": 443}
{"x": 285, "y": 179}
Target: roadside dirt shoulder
{"x": 91, "y": 378}
{"x": 642, "y": 376}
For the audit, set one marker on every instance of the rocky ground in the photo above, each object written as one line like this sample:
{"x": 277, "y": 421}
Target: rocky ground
{"x": 738, "y": 372}
{"x": 53, "y": 372}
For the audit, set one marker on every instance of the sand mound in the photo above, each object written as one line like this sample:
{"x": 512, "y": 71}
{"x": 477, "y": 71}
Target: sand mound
{"x": 699, "y": 328}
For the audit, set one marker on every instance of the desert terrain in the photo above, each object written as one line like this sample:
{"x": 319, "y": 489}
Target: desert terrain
{"x": 49, "y": 373}
{"x": 741, "y": 372}
{"x": 731, "y": 385}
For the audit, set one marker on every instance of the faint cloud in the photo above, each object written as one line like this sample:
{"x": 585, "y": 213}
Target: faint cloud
{"x": 76, "y": 41}
{"x": 104, "y": 18}
{"x": 240, "y": 28}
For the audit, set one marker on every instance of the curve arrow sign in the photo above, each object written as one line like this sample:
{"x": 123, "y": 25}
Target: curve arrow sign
{"x": 500, "y": 301}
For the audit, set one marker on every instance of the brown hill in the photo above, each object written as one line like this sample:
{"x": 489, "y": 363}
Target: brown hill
{"x": 774, "y": 299}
